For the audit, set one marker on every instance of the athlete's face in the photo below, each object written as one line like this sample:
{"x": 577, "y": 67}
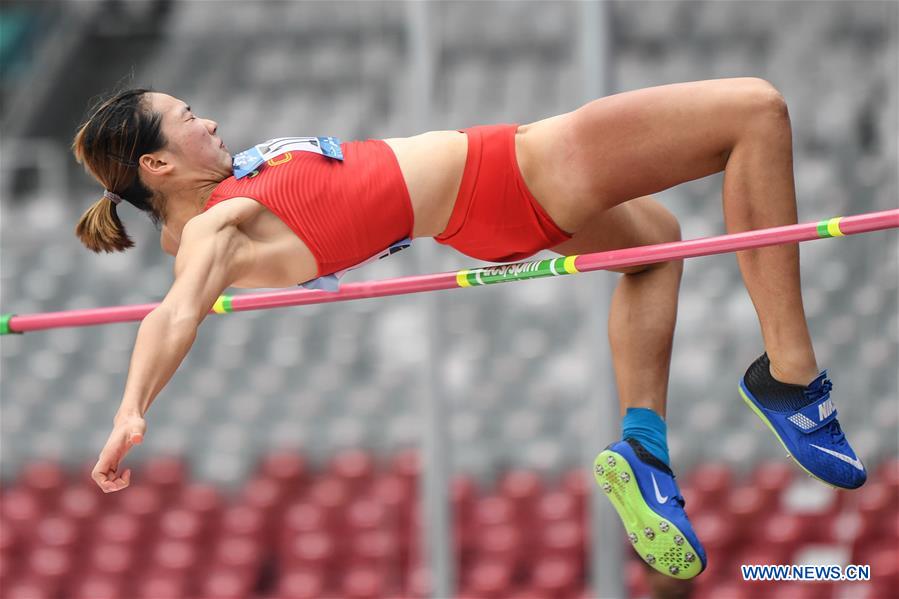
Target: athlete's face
{"x": 192, "y": 143}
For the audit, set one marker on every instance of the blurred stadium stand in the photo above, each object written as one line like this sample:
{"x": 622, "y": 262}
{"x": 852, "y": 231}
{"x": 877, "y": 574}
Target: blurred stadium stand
{"x": 303, "y": 421}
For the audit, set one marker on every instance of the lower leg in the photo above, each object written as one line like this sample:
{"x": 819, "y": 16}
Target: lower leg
{"x": 641, "y": 333}
{"x": 758, "y": 193}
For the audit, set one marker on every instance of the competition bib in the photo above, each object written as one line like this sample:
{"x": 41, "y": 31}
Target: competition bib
{"x": 332, "y": 282}
{"x": 249, "y": 161}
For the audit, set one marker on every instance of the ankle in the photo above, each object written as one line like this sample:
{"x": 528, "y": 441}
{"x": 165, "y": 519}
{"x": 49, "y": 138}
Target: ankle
{"x": 793, "y": 372}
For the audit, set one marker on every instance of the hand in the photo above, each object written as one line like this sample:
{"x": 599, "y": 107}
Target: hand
{"x": 127, "y": 432}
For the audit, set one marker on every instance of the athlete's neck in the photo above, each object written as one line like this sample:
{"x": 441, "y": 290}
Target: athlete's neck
{"x": 184, "y": 204}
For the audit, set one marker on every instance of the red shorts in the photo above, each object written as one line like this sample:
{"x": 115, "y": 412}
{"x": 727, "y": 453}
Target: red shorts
{"x": 495, "y": 217}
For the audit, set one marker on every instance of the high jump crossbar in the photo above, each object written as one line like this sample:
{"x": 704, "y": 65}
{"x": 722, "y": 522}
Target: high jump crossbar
{"x": 486, "y": 275}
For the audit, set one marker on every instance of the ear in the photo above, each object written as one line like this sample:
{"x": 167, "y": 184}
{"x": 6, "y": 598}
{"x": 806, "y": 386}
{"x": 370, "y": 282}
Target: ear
{"x": 155, "y": 164}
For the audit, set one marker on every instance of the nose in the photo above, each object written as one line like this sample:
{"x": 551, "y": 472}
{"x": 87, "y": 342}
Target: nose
{"x": 214, "y": 126}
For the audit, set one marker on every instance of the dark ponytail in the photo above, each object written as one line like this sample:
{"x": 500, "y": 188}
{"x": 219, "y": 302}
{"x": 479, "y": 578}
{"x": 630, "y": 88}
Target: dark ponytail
{"x": 119, "y": 131}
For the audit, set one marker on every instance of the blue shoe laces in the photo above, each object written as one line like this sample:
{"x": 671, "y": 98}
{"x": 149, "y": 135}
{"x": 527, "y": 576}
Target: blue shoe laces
{"x": 823, "y": 392}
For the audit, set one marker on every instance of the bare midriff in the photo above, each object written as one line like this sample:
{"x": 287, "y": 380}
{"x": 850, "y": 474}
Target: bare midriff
{"x": 432, "y": 165}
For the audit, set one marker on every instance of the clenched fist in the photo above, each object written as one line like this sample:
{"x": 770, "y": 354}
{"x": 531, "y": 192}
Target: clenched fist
{"x": 127, "y": 432}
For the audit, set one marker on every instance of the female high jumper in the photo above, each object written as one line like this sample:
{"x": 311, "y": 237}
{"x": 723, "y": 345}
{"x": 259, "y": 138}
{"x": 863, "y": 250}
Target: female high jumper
{"x": 295, "y": 210}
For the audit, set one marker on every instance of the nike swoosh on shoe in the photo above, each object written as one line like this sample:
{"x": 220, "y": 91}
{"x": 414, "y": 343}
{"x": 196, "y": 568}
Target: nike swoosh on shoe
{"x": 854, "y": 462}
{"x": 655, "y": 486}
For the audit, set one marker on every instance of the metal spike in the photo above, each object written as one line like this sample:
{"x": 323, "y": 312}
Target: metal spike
{"x": 607, "y": 487}
{"x": 633, "y": 537}
{"x": 610, "y": 460}
{"x": 678, "y": 540}
{"x": 674, "y": 569}
{"x": 663, "y": 526}
{"x": 649, "y": 533}
{"x": 624, "y": 476}
{"x": 689, "y": 557}
{"x": 650, "y": 558}
{"x": 599, "y": 470}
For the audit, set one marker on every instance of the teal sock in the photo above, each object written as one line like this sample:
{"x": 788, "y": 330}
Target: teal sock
{"x": 647, "y": 427}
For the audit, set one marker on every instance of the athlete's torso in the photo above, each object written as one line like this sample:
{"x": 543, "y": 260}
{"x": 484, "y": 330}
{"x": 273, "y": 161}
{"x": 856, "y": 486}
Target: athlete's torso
{"x": 431, "y": 165}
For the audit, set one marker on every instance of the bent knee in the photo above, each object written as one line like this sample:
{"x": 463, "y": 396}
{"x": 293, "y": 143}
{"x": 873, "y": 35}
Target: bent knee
{"x": 764, "y": 99}
{"x": 659, "y": 225}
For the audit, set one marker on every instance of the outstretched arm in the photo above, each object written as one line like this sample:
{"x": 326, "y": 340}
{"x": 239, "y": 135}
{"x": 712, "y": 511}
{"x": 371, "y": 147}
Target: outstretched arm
{"x": 210, "y": 258}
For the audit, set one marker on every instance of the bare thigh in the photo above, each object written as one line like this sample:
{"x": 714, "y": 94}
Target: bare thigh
{"x": 641, "y": 221}
{"x": 634, "y": 143}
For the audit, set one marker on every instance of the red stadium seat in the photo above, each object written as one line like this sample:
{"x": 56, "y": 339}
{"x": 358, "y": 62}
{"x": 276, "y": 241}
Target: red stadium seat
{"x": 21, "y": 510}
{"x": 375, "y": 548}
{"x": 157, "y": 584}
{"x": 712, "y": 481}
{"x": 111, "y": 559}
{"x": 119, "y": 528}
{"x": 177, "y": 557}
{"x": 28, "y": 588}
{"x": 773, "y": 477}
{"x": 876, "y": 505}
{"x": 888, "y": 474}
{"x": 244, "y": 520}
{"x": 391, "y": 492}
{"x": 418, "y": 581}
{"x": 331, "y": 495}
{"x": 800, "y": 590}
{"x": 464, "y": 496}
{"x": 97, "y": 586}
{"x": 363, "y": 583}
{"x": 226, "y": 583}
{"x": 500, "y": 542}
{"x": 266, "y": 496}
{"x": 555, "y": 506}
{"x": 301, "y": 584}
{"x": 143, "y": 502}
{"x": 313, "y": 551}
{"x": 490, "y": 578}
{"x": 715, "y": 531}
{"x": 239, "y": 553}
{"x": 746, "y": 506}
{"x": 493, "y": 510}
{"x": 527, "y": 593}
{"x": 579, "y": 484}
{"x": 729, "y": 589}
{"x": 181, "y": 524}
{"x": 355, "y": 468}
{"x": 9, "y": 566}
{"x": 784, "y": 532}
{"x": 80, "y": 503}
{"x": 555, "y": 577}
{"x": 288, "y": 468}
{"x": 45, "y": 480}
{"x": 300, "y": 518}
{"x": 57, "y": 531}
{"x": 166, "y": 475}
{"x": 564, "y": 539}
{"x": 49, "y": 565}
{"x": 885, "y": 566}
{"x": 203, "y": 500}
{"x": 695, "y": 503}
{"x": 366, "y": 514}
{"x": 522, "y": 488}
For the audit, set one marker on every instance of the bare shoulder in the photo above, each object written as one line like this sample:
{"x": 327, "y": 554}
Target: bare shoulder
{"x": 220, "y": 225}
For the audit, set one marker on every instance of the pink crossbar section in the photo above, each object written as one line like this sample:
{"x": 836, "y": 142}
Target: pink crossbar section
{"x": 850, "y": 225}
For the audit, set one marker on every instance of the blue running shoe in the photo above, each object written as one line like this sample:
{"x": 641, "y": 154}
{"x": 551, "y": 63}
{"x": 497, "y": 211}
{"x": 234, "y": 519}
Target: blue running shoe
{"x": 804, "y": 419}
{"x": 643, "y": 492}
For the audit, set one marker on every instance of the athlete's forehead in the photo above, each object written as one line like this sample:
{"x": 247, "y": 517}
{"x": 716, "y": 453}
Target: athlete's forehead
{"x": 168, "y": 105}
